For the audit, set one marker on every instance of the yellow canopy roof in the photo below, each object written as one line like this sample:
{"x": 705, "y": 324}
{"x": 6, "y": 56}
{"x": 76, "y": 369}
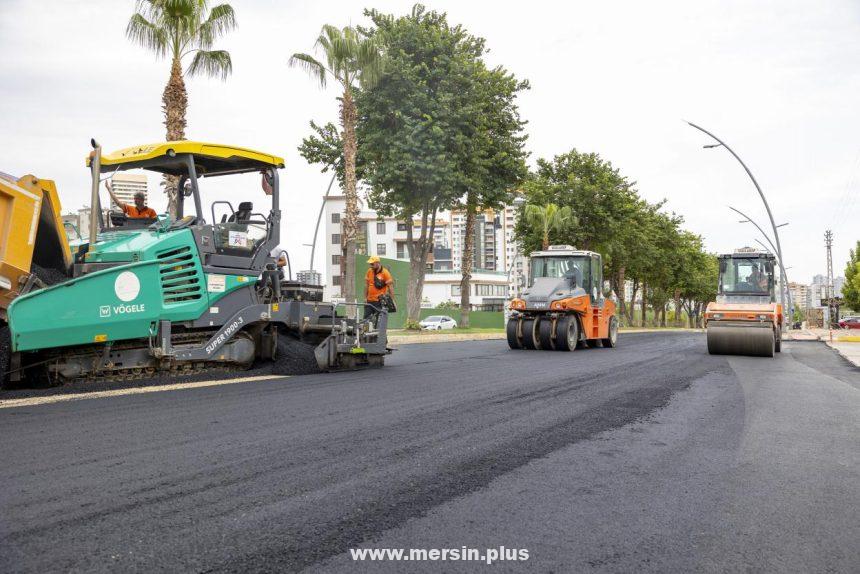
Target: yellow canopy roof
{"x": 209, "y": 158}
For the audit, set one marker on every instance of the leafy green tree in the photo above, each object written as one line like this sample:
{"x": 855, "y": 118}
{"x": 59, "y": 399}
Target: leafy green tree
{"x": 177, "y": 29}
{"x": 496, "y": 163}
{"x": 640, "y": 244}
{"x": 351, "y": 59}
{"x": 851, "y": 289}
{"x": 548, "y": 218}
{"x": 416, "y": 127}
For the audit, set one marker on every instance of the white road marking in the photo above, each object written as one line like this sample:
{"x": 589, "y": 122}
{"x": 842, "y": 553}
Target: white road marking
{"x": 33, "y": 401}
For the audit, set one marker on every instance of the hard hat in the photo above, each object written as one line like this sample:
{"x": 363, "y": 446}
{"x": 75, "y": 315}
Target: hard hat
{"x": 373, "y": 259}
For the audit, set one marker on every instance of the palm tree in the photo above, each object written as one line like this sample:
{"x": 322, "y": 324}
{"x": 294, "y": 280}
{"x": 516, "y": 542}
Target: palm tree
{"x": 351, "y": 59}
{"x": 176, "y": 29}
{"x": 549, "y": 217}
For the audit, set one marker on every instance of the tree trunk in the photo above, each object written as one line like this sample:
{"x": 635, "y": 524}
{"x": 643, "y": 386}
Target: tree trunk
{"x": 619, "y": 290}
{"x": 418, "y": 250}
{"x": 677, "y": 321}
{"x": 349, "y": 224}
{"x": 644, "y": 304}
{"x": 631, "y": 310}
{"x": 663, "y": 314}
{"x": 174, "y": 102}
{"x": 466, "y": 261}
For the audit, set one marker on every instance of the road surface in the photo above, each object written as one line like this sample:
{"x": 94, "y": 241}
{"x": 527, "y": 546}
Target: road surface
{"x": 650, "y": 457}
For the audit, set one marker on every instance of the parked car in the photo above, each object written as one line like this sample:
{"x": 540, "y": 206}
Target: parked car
{"x": 849, "y": 323}
{"x": 437, "y": 323}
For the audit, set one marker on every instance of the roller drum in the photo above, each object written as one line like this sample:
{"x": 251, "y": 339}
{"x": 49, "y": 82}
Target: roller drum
{"x": 749, "y": 340}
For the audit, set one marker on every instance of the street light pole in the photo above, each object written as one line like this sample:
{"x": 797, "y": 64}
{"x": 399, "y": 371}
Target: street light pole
{"x": 760, "y": 192}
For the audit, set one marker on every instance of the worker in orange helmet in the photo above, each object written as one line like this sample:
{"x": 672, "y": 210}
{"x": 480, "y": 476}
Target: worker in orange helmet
{"x": 378, "y": 283}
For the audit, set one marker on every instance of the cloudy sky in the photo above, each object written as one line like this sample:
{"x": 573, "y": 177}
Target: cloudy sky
{"x": 778, "y": 80}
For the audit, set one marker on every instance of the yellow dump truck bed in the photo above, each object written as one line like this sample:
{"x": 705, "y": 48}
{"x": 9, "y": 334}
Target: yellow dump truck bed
{"x": 31, "y": 232}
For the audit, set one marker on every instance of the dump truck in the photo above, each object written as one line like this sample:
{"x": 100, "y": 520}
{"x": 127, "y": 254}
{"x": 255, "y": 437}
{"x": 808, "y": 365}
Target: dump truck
{"x": 34, "y": 250}
{"x": 174, "y": 295}
{"x": 746, "y": 318}
{"x": 565, "y": 304}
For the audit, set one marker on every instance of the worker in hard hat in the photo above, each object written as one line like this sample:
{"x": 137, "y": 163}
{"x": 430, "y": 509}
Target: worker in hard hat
{"x": 378, "y": 283}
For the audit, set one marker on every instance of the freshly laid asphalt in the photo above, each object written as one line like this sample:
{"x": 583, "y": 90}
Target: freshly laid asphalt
{"x": 653, "y": 456}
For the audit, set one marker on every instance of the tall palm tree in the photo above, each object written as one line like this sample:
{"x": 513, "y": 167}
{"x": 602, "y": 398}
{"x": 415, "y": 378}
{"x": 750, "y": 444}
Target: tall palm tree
{"x": 351, "y": 59}
{"x": 176, "y": 29}
{"x": 547, "y": 218}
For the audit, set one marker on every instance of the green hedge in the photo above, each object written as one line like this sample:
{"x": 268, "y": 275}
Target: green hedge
{"x": 400, "y": 271}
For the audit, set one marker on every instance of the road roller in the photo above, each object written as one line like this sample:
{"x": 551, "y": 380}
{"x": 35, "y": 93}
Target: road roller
{"x": 746, "y": 318}
{"x": 565, "y": 305}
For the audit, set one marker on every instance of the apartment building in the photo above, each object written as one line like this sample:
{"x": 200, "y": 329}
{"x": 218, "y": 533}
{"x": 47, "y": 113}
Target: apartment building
{"x": 387, "y": 237}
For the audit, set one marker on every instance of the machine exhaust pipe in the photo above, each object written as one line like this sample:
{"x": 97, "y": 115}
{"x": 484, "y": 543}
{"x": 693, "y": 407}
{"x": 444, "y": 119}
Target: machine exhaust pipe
{"x": 95, "y": 172}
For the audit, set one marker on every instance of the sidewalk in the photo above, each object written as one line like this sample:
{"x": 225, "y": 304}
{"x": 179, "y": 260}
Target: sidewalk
{"x": 845, "y": 343}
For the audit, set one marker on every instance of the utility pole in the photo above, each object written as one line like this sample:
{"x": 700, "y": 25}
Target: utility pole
{"x": 828, "y": 241}
{"x": 832, "y": 309}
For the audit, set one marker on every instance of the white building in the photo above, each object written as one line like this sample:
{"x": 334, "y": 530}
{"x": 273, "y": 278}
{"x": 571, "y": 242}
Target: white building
{"x": 125, "y": 185}
{"x": 386, "y": 237}
{"x": 801, "y": 295}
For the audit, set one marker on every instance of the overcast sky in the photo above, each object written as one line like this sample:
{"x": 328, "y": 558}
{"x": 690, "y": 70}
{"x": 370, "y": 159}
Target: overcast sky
{"x": 778, "y": 80}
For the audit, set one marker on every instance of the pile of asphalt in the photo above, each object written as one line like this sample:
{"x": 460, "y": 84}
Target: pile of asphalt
{"x": 293, "y": 358}
{"x": 49, "y": 275}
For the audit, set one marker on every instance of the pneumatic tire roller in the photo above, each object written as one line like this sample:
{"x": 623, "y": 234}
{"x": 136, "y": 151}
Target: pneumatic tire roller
{"x": 564, "y": 305}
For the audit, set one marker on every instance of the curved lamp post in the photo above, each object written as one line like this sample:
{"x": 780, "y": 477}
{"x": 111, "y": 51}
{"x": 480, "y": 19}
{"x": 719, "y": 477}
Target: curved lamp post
{"x": 721, "y": 143}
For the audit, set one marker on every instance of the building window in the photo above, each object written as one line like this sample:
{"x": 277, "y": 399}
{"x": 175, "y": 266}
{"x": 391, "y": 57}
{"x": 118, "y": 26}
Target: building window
{"x": 380, "y": 249}
{"x": 455, "y": 291}
{"x": 380, "y": 228}
{"x": 401, "y": 226}
{"x": 335, "y": 280}
{"x": 335, "y": 238}
{"x": 335, "y": 259}
{"x": 401, "y": 250}
{"x": 335, "y": 217}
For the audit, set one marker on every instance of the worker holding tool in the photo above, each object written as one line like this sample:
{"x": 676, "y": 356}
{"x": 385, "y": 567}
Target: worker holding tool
{"x": 137, "y": 211}
{"x": 378, "y": 289}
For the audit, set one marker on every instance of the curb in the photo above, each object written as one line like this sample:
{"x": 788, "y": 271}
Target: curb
{"x": 453, "y": 337}
{"x": 841, "y": 347}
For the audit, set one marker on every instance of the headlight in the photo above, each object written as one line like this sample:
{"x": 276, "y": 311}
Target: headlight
{"x": 763, "y": 317}
{"x": 716, "y": 316}
{"x": 558, "y": 305}
{"x": 518, "y": 304}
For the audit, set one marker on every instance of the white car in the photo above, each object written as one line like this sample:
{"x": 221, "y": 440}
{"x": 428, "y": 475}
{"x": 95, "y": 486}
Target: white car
{"x": 437, "y": 323}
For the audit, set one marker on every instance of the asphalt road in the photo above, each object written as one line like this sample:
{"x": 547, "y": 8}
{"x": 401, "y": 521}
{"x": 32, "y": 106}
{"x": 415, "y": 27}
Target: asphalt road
{"x": 650, "y": 457}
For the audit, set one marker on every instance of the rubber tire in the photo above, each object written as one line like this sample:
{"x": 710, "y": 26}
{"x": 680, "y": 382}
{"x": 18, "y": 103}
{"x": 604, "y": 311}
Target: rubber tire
{"x": 567, "y": 333}
{"x": 778, "y": 343}
{"x": 611, "y": 342}
{"x": 514, "y": 342}
{"x": 545, "y": 333}
{"x": 531, "y": 337}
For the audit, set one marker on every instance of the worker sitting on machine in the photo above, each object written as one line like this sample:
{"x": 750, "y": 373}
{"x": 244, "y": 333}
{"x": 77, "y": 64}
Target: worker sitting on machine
{"x": 378, "y": 289}
{"x": 758, "y": 279}
{"x": 137, "y": 211}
